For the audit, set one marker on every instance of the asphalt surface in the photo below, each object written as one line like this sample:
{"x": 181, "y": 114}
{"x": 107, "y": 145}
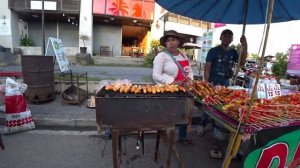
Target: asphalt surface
{"x": 66, "y": 136}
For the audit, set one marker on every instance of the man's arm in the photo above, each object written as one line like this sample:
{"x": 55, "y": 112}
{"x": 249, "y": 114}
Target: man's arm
{"x": 207, "y": 70}
{"x": 244, "y": 55}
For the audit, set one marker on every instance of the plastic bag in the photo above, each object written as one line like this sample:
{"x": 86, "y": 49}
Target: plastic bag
{"x": 18, "y": 115}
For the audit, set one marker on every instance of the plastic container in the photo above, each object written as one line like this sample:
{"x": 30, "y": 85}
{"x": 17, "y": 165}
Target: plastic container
{"x": 266, "y": 80}
{"x": 273, "y": 80}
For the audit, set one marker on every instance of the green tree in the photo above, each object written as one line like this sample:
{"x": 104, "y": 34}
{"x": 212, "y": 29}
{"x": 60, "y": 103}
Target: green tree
{"x": 280, "y": 66}
{"x": 254, "y": 56}
{"x": 236, "y": 47}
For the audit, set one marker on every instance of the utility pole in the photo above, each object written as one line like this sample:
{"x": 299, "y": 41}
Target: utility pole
{"x": 43, "y": 28}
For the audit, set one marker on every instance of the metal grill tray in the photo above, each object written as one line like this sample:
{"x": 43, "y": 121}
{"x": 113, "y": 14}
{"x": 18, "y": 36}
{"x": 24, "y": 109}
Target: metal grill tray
{"x": 119, "y": 110}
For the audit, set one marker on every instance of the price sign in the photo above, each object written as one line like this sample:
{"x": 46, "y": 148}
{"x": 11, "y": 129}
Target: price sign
{"x": 277, "y": 90}
{"x": 261, "y": 91}
{"x": 272, "y": 90}
{"x": 269, "y": 90}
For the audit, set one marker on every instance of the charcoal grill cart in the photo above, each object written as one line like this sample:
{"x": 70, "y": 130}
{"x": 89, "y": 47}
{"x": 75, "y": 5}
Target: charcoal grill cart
{"x": 141, "y": 112}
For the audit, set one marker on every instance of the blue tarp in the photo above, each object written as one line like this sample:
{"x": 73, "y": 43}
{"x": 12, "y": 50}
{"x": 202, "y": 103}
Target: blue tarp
{"x": 233, "y": 11}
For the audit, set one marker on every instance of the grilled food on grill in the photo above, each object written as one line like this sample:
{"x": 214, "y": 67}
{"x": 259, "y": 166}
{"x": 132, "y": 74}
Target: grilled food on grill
{"x": 129, "y": 88}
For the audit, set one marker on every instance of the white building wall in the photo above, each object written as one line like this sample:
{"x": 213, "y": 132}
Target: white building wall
{"x": 5, "y": 28}
{"x": 157, "y": 27}
{"x": 86, "y": 24}
{"x": 184, "y": 29}
{"x": 157, "y": 32}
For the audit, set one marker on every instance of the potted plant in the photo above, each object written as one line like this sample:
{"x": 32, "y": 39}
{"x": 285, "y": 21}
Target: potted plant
{"x": 25, "y": 41}
{"x": 280, "y": 66}
{"x": 83, "y": 37}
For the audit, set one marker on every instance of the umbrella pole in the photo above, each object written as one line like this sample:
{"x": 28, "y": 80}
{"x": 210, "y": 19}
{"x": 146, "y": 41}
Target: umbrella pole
{"x": 241, "y": 49}
{"x": 270, "y": 11}
{"x": 236, "y": 140}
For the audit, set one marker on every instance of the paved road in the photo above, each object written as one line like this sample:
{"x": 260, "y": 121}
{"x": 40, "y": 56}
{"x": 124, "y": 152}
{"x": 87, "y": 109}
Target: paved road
{"x": 135, "y": 74}
{"x": 66, "y": 149}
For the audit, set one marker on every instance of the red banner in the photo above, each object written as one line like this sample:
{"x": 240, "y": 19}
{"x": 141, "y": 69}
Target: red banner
{"x": 217, "y": 25}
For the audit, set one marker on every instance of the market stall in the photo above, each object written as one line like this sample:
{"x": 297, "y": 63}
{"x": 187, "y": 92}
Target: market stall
{"x": 237, "y": 12}
{"x": 125, "y": 108}
{"x": 228, "y": 107}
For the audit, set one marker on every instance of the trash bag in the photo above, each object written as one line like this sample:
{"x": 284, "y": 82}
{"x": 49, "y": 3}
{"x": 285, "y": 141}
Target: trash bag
{"x": 18, "y": 115}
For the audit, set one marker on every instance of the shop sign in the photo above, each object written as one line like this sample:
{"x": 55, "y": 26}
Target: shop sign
{"x": 37, "y": 5}
{"x": 293, "y": 67}
{"x": 206, "y": 45}
{"x": 5, "y": 26}
{"x": 141, "y": 9}
{"x": 55, "y": 47}
{"x": 278, "y": 153}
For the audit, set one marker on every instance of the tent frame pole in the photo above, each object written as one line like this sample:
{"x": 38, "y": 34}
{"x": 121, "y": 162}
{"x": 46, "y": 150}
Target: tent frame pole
{"x": 236, "y": 140}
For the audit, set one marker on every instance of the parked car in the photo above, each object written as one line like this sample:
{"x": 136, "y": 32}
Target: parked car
{"x": 251, "y": 64}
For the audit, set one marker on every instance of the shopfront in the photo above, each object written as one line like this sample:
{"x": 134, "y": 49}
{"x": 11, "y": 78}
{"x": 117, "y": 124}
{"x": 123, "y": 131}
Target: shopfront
{"x": 122, "y": 26}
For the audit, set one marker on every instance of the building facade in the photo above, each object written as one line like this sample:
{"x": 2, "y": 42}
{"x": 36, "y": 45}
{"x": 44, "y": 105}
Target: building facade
{"x": 124, "y": 26}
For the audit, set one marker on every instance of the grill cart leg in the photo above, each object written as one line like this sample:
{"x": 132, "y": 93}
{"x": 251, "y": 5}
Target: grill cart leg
{"x": 115, "y": 150}
{"x": 107, "y": 135}
{"x": 143, "y": 142}
{"x": 157, "y": 145}
{"x": 1, "y": 143}
{"x": 170, "y": 147}
{"x": 120, "y": 148}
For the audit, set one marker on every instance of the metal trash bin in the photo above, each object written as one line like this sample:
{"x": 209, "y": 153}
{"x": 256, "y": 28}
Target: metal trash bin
{"x": 38, "y": 74}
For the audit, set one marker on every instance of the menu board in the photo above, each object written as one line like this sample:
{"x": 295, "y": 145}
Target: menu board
{"x": 55, "y": 47}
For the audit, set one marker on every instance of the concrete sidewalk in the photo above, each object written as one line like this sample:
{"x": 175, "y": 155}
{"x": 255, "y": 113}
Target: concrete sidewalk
{"x": 55, "y": 115}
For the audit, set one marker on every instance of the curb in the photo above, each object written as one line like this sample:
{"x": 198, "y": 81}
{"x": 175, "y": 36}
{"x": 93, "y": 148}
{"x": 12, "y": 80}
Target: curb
{"x": 69, "y": 124}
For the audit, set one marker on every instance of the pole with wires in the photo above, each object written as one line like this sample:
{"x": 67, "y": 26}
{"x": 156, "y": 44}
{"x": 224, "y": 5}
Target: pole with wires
{"x": 43, "y": 28}
{"x": 241, "y": 49}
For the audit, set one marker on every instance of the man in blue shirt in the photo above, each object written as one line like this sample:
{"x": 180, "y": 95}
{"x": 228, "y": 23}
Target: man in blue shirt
{"x": 221, "y": 60}
{"x": 218, "y": 70}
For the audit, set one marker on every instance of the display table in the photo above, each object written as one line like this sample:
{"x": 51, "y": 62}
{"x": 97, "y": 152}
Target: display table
{"x": 236, "y": 130}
